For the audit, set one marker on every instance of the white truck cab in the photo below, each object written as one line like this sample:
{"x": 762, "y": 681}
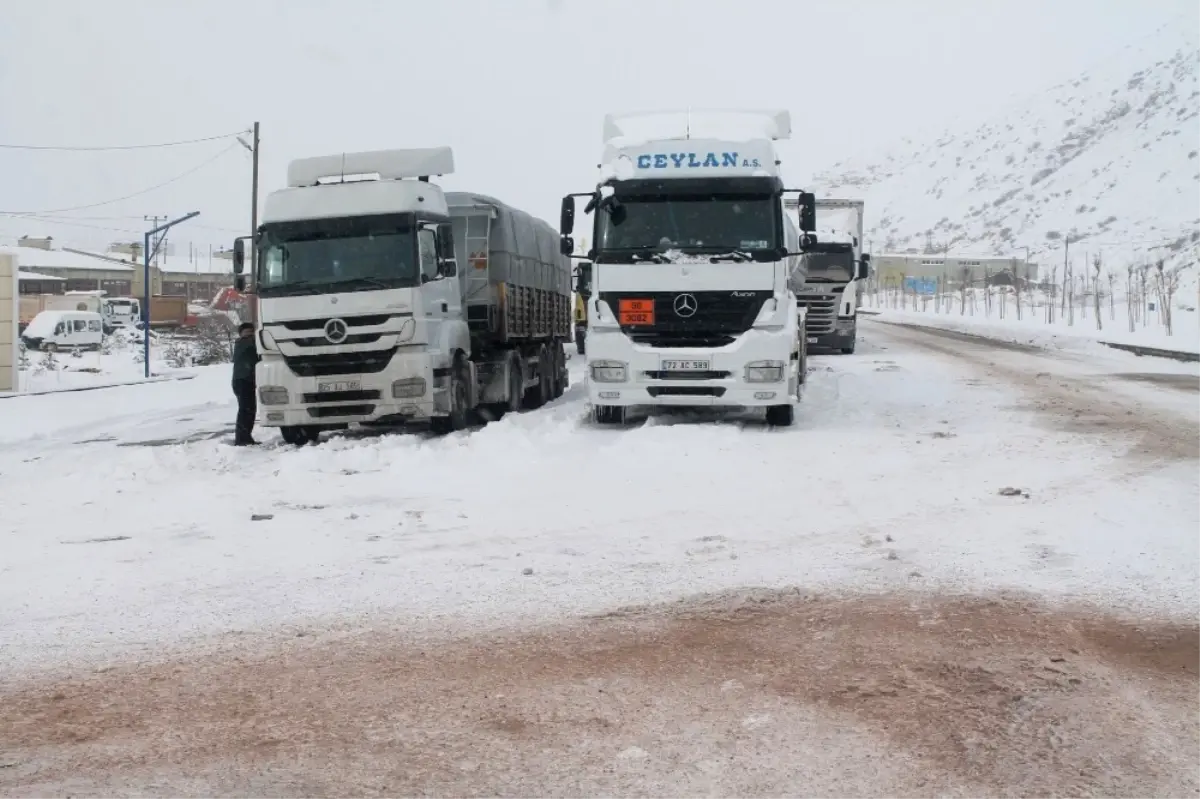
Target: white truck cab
{"x": 836, "y": 269}
{"x": 692, "y": 256}
{"x": 364, "y": 318}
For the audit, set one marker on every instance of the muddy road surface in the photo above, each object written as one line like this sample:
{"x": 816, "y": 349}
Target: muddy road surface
{"x": 759, "y": 694}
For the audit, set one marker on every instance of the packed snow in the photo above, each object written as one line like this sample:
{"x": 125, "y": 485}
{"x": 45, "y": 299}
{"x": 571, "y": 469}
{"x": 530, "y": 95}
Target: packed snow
{"x": 132, "y": 525}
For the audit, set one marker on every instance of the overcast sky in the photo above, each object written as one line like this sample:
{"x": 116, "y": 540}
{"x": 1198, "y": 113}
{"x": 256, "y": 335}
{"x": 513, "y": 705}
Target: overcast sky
{"x": 518, "y": 87}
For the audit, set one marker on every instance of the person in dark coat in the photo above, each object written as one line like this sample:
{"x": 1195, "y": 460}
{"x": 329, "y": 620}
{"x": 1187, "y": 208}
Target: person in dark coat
{"x": 245, "y": 357}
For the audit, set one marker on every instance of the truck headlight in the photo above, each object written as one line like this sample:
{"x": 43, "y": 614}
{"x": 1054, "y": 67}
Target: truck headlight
{"x": 408, "y": 388}
{"x": 764, "y": 371}
{"x": 608, "y": 371}
{"x": 273, "y": 395}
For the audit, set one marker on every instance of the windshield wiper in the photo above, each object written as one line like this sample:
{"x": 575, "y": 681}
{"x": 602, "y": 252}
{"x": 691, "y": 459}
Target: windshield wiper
{"x": 373, "y": 282}
{"x": 655, "y": 257}
{"x": 819, "y": 279}
{"x": 737, "y": 256}
{"x": 295, "y": 284}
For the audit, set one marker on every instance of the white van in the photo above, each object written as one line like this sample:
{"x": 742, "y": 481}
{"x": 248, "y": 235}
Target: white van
{"x": 64, "y": 330}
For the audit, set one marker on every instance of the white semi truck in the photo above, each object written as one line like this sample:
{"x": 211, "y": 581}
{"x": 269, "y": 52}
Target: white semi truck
{"x": 383, "y": 300}
{"x": 835, "y": 270}
{"x": 692, "y": 254}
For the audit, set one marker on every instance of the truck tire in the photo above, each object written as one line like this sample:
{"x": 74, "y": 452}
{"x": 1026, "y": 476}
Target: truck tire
{"x": 296, "y": 435}
{"x": 513, "y": 392}
{"x": 580, "y": 339}
{"x": 781, "y": 415}
{"x": 802, "y": 367}
{"x": 540, "y": 394}
{"x": 460, "y": 395}
{"x": 608, "y": 414}
{"x": 560, "y": 369}
{"x": 849, "y": 350}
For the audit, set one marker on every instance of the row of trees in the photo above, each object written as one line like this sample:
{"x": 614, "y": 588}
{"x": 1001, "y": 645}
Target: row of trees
{"x": 1147, "y": 292}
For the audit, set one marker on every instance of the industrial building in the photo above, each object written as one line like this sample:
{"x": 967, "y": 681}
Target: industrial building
{"x": 895, "y": 268}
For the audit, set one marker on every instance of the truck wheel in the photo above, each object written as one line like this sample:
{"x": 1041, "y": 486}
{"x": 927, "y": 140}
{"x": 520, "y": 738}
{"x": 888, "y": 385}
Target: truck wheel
{"x": 608, "y": 414}
{"x": 580, "y": 338}
{"x": 459, "y": 396}
{"x": 781, "y": 415}
{"x": 312, "y": 434}
{"x": 560, "y": 370}
{"x": 516, "y": 385}
{"x": 849, "y": 350}
{"x": 539, "y": 395}
{"x": 296, "y": 435}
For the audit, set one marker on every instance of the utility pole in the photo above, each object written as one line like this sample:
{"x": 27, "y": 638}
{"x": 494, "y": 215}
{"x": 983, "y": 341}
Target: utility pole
{"x": 253, "y": 148}
{"x": 158, "y": 244}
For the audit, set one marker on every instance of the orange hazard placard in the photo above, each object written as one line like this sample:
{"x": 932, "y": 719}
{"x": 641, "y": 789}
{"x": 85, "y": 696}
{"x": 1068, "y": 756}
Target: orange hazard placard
{"x": 635, "y": 312}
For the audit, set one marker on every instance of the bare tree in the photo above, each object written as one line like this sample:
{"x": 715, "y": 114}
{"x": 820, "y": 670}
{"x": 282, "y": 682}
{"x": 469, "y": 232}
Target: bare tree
{"x": 1130, "y": 308}
{"x": 1112, "y": 296}
{"x": 1052, "y": 284}
{"x": 1096, "y": 290}
{"x": 1017, "y": 279}
{"x": 966, "y": 274}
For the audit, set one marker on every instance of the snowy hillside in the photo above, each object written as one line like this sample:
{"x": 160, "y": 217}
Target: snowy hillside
{"x": 1109, "y": 160}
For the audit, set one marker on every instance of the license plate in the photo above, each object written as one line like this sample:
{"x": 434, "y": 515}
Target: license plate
{"x": 684, "y": 366}
{"x": 812, "y": 339}
{"x": 341, "y": 385}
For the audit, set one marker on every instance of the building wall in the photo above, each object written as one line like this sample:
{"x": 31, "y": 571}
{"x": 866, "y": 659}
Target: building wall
{"x": 890, "y": 268}
{"x": 9, "y": 313}
{"x": 42, "y": 287}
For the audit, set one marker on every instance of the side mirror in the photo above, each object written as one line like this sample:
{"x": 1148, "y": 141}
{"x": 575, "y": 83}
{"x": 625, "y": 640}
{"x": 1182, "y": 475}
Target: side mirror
{"x": 864, "y": 267}
{"x": 239, "y": 256}
{"x": 566, "y": 220}
{"x": 566, "y": 245}
{"x": 239, "y": 282}
{"x": 447, "y": 259}
{"x": 808, "y": 211}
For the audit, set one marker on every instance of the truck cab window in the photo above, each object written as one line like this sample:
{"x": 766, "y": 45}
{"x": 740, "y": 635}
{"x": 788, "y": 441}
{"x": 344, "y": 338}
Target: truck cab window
{"x": 80, "y": 325}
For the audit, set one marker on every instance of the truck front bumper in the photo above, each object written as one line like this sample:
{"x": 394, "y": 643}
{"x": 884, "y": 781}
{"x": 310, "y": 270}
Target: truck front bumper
{"x": 412, "y": 388}
{"x": 758, "y": 370}
{"x": 841, "y": 337}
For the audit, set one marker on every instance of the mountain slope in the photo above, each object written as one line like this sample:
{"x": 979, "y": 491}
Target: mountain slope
{"x": 1109, "y": 160}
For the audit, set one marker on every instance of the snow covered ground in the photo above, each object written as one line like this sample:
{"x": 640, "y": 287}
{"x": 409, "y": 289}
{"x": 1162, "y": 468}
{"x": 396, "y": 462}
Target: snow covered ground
{"x": 119, "y": 363}
{"x": 136, "y": 535}
{"x": 1033, "y": 328}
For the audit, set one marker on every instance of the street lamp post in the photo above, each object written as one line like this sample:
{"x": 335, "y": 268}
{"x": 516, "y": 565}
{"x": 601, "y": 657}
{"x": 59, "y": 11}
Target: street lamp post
{"x": 146, "y": 282}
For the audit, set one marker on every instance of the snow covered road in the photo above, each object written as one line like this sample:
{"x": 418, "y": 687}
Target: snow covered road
{"x": 123, "y": 547}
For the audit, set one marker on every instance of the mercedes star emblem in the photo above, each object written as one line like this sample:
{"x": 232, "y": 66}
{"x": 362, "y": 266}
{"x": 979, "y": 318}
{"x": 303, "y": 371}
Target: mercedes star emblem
{"x": 685, "y": 305}
{"x": 336, "y": 331}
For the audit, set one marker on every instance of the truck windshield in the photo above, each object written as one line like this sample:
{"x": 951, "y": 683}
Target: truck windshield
{"x": 328, "y": 255}
{"x": 830, "y": 266}
{"x": 709, "y": 223}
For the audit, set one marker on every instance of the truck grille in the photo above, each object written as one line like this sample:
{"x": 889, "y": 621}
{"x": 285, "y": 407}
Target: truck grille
{"x": 719, "y": 317}
{"x": 347, "y": 363}
{"x": 361, "y": 338}
{"x": 327, "y": 411}
{"x": 339, "y": 396}
{"x": 822, "y": 311}
{"x": 352, "y": 321}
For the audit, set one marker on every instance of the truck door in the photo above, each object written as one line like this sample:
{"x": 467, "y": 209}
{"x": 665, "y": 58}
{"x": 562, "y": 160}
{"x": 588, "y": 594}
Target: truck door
{"x": 439, "y": 294}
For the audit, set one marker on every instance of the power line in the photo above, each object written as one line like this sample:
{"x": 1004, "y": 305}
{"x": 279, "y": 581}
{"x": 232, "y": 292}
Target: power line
{"x": 65, "y": 148}
{"x": 147, "y": 190}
